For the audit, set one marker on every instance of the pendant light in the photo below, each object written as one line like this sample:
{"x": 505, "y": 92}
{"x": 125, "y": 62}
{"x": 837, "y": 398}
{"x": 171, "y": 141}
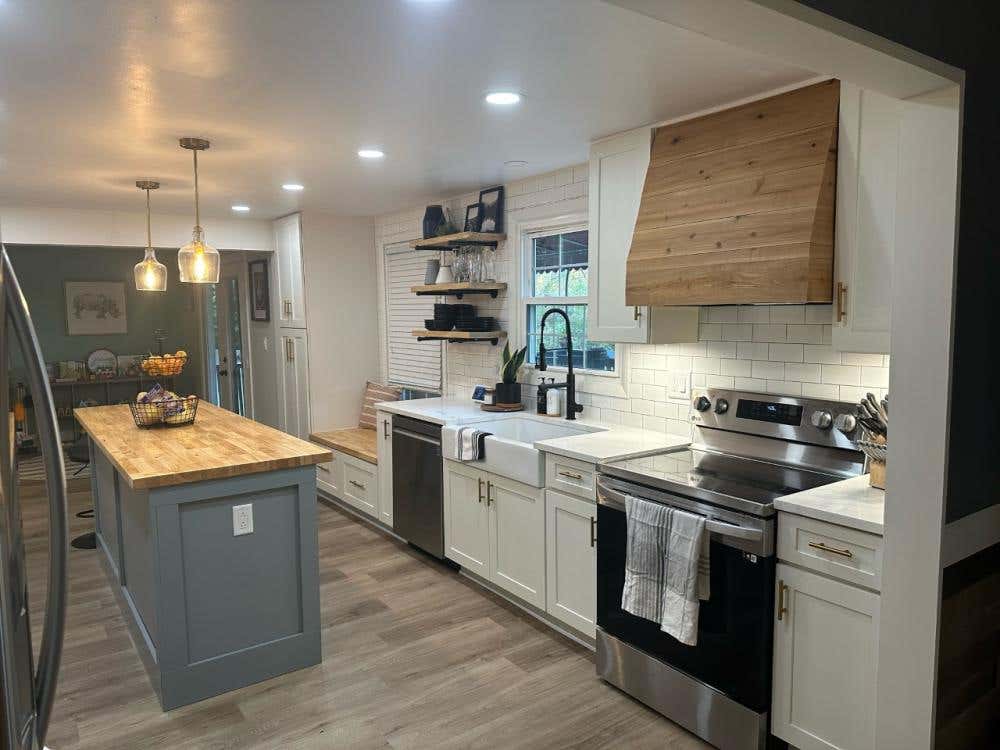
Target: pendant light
{"x": 198, "y": 262}
{"x": 150, "y": 274}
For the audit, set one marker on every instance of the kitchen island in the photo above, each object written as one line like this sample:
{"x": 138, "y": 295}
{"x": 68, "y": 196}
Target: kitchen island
{"x": 208, "y": 532}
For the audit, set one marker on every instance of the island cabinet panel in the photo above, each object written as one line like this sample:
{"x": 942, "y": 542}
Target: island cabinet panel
{"x": 106, "y": 527}
{"x": 138, "y": 578}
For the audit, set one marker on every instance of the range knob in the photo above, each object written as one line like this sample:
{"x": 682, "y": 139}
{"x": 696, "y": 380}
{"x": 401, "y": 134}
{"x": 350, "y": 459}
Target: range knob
{"x": 846, "y": 423}
{"x": 702, "y": 403}
{"x": 821, "y": 419}
{"x": 721, "y": 406}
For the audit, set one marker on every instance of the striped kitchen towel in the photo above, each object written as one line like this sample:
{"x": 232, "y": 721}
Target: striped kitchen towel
{"x": 471, "y": 445}
{"x": 667, "y": 569}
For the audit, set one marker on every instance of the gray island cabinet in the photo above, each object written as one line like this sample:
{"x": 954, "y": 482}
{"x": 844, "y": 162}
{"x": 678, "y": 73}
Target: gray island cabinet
{"x": 208, "y": 532}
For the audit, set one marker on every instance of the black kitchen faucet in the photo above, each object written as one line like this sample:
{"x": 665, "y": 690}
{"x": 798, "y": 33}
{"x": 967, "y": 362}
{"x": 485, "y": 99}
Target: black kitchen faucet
{"x": 572, "y": 408}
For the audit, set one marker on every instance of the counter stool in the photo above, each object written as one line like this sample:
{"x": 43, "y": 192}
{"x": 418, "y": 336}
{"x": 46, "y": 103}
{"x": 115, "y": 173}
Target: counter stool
{"x": 79, "y": 452}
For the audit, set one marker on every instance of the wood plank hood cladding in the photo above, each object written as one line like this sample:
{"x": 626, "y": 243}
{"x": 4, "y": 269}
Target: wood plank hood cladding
{"x": 737, "y": 207}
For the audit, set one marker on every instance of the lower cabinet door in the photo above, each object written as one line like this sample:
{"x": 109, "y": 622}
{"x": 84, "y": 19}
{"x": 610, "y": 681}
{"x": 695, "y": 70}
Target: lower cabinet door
{"x": 517, "y": 530}
{"x": 384, "y": 451}
{"x": 360, "y": 485}
{"x": 330, "y": 476}
{"x": 571, "y": 561}
{"x": 466, "y": 518}
{"x": 824, "y": 662}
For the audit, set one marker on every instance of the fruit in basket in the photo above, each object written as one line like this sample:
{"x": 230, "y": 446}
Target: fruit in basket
{"x": 185, "y": 414}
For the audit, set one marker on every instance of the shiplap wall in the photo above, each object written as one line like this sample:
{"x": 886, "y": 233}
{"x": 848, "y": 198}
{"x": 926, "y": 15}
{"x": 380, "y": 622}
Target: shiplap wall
{"x": 781, "y": 349}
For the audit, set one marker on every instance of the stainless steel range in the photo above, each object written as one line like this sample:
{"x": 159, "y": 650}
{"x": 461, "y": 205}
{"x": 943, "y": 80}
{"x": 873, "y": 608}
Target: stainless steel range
{"x": 747, "y": 450}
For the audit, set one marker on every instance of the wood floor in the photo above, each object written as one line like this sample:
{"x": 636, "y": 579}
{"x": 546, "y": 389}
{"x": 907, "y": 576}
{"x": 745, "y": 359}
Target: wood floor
{"x": 414, "y": 656}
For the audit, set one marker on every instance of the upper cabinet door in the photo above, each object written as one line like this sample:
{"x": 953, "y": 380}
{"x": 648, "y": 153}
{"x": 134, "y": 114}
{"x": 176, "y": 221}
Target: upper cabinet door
{"x": 617, "y": 174}
{"x": 867, "y": 172}
{"x": 288, "y": 257}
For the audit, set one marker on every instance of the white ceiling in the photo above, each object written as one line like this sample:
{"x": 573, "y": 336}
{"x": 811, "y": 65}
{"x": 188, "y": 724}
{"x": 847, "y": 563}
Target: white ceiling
{"x": 94, "y": 95}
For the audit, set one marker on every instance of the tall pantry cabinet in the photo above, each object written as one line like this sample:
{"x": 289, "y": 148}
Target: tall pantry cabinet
{"x": 291, "y": 347}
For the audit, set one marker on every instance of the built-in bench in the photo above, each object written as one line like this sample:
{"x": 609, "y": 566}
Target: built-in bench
{"x": 354, "y": 441}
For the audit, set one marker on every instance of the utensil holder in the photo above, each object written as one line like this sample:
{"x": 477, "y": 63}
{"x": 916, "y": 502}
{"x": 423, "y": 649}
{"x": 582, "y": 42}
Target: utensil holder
{"x": 876, "y": 449}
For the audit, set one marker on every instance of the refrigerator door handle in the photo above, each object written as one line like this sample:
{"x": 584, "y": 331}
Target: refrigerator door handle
{"x": 50, "y": 653}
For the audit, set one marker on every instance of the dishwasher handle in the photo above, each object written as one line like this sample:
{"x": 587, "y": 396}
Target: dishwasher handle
{"x": 416, "y": 436}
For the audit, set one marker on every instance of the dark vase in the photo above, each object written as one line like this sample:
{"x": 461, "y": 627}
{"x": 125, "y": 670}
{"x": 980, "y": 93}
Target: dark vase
{"x": 508, "y": 393}
{"x": 433, "y": 218}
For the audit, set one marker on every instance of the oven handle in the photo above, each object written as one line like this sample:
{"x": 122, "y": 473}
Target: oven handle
{"x": 614, "y": 499}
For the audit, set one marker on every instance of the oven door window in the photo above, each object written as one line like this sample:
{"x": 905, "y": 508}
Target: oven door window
{"x": 735, "y": 626}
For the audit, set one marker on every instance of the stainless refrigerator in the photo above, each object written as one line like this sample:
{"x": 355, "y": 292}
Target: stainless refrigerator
{"x": 27, "y": 690}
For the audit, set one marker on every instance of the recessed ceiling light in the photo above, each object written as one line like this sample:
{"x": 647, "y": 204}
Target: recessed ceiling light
{"x": 371, "y": 153}
{"x": 293, "y": 186}
{"x": 503, "y": 98}
{"x": 515, "y": 164}
{"x": 241, "y": 209}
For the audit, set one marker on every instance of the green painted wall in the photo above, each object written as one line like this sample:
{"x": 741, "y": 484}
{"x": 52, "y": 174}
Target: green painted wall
{"x": 42, "y": 271}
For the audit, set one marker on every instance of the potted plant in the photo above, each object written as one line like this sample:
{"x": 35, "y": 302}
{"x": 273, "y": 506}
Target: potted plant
{"x": 508, "y": 391}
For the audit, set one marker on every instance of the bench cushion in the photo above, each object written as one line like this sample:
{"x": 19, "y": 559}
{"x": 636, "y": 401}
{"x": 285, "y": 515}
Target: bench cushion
{"x": 354, "y": 441}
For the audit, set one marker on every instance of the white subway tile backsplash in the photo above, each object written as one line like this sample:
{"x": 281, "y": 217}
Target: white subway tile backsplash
{"x": 788, "y": 314}
{"x": 749, "y": 384}
{"x": 824, "y": 355}
{"x": 875, "y": 377}
{"x": 841, "y": 374}
{"x": 737, "y": 332}
{"x": 819, "y": 313}
{"x": 724, "y": 314}
{"x": 736, "y": 367}
{"x": 802, "y": 372}
{"x": 784, "y": 352}
{"x": 719, "y": 381}
{"x": 768, "y": 370}
{"x": 750, "y": 350}
{"x": 755, "y": 314}
{"x": 785, "y": 388}
{"x": 769, "y": 332}
{"x": 722, "y": 349}
{"x": 710, "y": 331}
{"x": 821, "y": 390}
{"x": 858, "y": 358}
{"x": 705, "y": 365}
{"x": 805, "y": 334}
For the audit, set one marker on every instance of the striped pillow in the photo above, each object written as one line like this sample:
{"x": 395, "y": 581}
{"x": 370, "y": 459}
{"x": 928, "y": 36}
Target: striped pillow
{"x": 375, "y": 392}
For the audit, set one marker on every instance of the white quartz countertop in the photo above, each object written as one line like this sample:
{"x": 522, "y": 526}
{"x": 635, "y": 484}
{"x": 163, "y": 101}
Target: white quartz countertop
{"x": 604, "y": 442}
{"x": 612, "y": 444}
{"x": 851, "y": 502}
{"x": 439, "y": 410}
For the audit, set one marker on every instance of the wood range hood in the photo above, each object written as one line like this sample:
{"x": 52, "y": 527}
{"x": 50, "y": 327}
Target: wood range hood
{"x": 738, "y": 206}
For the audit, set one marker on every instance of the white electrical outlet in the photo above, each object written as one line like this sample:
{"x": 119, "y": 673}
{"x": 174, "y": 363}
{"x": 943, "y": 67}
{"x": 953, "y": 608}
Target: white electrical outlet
{"x": 679, "y": 385}
{"x": 242, "y": 519}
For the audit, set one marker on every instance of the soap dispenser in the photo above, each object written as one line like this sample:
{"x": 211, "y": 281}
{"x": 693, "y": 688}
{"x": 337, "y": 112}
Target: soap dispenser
{"x": 541, "y": 396}
{"x": 553, "y": 401}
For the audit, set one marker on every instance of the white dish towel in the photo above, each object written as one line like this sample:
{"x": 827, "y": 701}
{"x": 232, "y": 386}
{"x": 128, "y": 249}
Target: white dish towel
{"x": 667, "y": 567}
{"x": 470, "y": 444}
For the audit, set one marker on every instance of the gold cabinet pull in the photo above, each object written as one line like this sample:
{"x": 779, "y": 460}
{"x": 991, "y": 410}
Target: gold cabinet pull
{"x": 782, "y": 609}
{"x": 480, "y": 489}
{"x": 832, "y": 550}
{"x": 356, "y": 484}
{"x": 841, "y": 300}
{"x": 593, "y": 531}
{"x": 635, "y": 313}
{"x": 571, "y": 475}
{"x": 489, "y": 494}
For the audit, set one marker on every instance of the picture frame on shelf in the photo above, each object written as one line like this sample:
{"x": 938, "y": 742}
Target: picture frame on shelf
{"x": 95, "y": 308}
{"x": 473, "y": 217}
{"x": 491, "y": 209}
{"x": 260, "y": 291}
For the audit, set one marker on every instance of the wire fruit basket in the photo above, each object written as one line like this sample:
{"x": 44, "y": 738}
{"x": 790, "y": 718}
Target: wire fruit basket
{"x": 164, "y": 364}
{"x": 166, "y": 413}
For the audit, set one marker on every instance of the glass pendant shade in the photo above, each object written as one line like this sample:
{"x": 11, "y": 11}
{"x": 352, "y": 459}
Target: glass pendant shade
{"x": 150, "y": 274}
{"x": 198, "y": 262}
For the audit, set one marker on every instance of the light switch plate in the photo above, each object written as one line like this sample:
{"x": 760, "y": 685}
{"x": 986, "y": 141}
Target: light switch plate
{"x": 679, "y": 385}
{"x": 242, "y": 519}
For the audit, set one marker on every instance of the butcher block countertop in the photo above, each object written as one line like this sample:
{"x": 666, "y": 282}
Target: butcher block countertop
{"x": 218, "y": 445}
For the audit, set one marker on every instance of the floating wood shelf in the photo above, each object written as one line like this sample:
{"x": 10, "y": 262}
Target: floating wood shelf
{"x": 460, "y": 288}
{"x": 459, "y": 337}
{"x": 451, "y": 241}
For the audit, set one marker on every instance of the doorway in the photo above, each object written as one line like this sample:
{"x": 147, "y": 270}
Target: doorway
{"x": 227, "y": 360}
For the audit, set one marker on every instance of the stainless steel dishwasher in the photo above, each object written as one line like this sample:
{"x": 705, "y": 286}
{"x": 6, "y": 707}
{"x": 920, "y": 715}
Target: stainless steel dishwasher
{"x": 417, "y": 491}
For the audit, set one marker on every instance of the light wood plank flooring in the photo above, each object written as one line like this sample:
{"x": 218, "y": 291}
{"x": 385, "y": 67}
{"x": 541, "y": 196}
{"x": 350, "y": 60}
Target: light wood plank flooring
{"x": 414, "y": 656}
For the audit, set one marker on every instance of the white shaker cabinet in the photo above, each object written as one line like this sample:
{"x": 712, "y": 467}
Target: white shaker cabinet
{"x": 384, "y": 452}
{"x": 288, "y": 261}
{"x": 825, "y": 662}
{"x": 867, "y": 173}
{"x": 617, "y": 175}
{"x": 293, "y": 382}
{"x": 571, "y": 561}
{"x": 495, "y": 527}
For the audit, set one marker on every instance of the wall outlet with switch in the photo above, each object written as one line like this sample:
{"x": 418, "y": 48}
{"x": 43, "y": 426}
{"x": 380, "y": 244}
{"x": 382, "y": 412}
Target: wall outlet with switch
{"x": 679, "y": 385}
{"x": 242, "y": 519}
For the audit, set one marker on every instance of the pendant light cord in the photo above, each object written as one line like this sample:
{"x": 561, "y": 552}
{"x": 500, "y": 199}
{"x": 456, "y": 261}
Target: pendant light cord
{"x": 149, "y": 231}
{"x": 197, "y": 213}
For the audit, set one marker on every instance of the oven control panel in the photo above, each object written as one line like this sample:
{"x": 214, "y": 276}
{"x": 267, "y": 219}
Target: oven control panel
{"x": 806, "y": 420}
